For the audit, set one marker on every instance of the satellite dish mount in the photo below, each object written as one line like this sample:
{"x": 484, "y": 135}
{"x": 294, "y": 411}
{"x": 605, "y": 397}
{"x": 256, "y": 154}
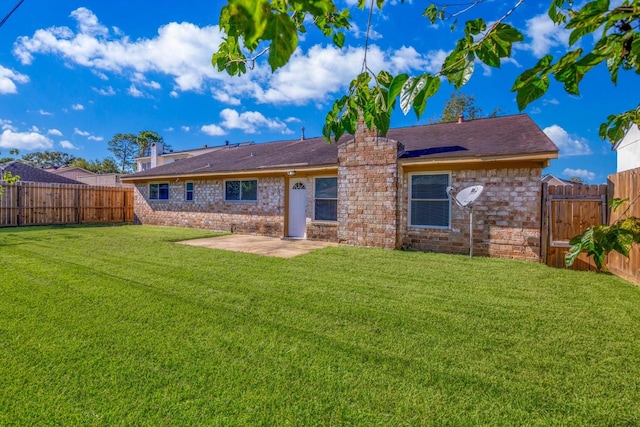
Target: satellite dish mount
{"x": 465, "y": 199}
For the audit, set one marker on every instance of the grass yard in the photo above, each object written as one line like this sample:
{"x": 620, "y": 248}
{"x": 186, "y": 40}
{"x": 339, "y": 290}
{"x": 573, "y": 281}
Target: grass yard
{"x": 119, "y": 326}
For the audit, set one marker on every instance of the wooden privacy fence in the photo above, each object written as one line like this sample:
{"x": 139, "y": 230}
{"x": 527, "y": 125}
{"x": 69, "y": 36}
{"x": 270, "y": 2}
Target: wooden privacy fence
{"x": 568, "y": 210}
{"x": 626, "y": 185}
{"x": 30, "y": 203}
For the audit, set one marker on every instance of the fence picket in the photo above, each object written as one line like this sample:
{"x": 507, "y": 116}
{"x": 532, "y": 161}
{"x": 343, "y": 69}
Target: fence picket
{"x": 30, "y": 203}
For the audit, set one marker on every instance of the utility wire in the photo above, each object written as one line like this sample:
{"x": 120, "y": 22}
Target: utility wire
{"x": 11, "y": 13}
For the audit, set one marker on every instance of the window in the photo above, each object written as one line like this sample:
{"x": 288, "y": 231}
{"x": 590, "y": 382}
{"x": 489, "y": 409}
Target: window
{"x": 429, "y": 202}
{"x": 242, "y": 191}
{"x": 326, "y": 199}
{"x": 144, "y": 166}
{"x": 159, "y": 191}
{"x": 188, "y": 191}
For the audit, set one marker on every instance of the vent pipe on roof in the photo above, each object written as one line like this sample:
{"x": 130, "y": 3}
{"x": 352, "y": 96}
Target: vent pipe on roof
{"x": 302, "y": 135}
{"x": 461, "y": 118}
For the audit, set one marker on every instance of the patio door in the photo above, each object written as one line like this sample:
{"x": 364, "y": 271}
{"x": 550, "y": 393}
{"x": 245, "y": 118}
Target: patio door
{"x": 297, "y": 209}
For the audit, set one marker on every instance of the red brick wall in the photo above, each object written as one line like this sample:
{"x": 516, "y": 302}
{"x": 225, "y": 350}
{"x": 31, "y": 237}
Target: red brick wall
{"x": 209, "y": 210}
{"x": 506, "y": 217}
{"x": 367, "y": 190}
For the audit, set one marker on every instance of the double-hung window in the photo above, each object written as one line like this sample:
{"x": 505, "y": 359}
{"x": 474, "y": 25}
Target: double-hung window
{"x": 241, "y": 190}
{"x": 159, "y": 191}
{"x": 188, "y": 191}
{"x": 429, "y": 204}
{"x": 326, "y": 199}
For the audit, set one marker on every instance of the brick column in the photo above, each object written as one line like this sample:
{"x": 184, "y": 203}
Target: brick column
{"x": 368, "y": 190}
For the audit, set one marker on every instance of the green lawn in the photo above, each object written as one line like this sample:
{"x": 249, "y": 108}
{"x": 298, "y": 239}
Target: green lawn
{"x": 119, "y": 326}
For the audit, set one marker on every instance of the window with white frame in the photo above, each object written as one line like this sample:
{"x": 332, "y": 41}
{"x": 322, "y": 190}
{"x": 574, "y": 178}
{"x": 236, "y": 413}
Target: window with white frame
{"x": 188, "y": 191}
{"x": 159, "y": 191}
{"x": 429, "y": 203}
{"x": 326, "y": 199}
{"x": 241, "y": 190}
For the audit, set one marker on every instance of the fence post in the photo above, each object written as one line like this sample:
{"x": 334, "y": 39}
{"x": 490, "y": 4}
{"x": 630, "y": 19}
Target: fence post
{"x": 19, "y": 204}
{"x": 78, "y": 206}
{"x": 544, "y": 224}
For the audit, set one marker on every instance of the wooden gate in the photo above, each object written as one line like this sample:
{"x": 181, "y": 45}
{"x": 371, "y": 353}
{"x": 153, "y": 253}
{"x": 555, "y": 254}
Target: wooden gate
{"x": 568, "y": 210}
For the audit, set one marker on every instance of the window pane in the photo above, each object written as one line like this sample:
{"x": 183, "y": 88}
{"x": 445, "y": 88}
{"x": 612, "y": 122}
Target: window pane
{"x": 163, "y": 191}
{"x": 232, "y": 190}
{"x": 326, "y": 210}
{"x": 249, "y": 190}
{"x": 189, "y": 192}
{"x": 429, "y": 186}
{"x": 435, "y": 214}
{"x": 326, "y": 188}
{"x": 189, "y": 186}
{"x": 153, "y": 191}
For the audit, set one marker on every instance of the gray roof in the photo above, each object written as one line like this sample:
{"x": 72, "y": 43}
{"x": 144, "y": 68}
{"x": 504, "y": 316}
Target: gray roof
{"x": 494, "y": 137}
{"x": 30, "y": 174}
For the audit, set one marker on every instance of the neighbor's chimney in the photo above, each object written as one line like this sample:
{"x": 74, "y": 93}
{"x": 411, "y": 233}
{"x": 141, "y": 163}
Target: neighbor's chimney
{"x": 461, "y": 118}
{"x": 156, "y": 149}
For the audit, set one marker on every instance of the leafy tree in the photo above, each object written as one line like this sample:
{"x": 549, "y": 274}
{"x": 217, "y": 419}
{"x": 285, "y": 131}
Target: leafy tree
{"x": 107, "y": 165}
{"x": 8, "y": 177}
{"x": 48, "y": 159}
{"x": 576, "y": 179}
{"x": 6, "y": 159}
{"x": 144, "y": 140}
{"x": 254, "y": 28}
{"x": 124, "y": 147}
{"x": 460, "y": 104}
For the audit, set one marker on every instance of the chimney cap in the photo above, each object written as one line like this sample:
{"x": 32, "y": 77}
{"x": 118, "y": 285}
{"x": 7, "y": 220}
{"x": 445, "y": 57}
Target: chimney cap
{"x": 461, "y": 118}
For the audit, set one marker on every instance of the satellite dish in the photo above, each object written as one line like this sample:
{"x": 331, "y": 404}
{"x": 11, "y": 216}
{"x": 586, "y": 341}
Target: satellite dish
{"x": 465, "y": 199}
{"x": 468, "y": 195}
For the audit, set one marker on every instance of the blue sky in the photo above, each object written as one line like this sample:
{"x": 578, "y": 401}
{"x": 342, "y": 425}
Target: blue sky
{"x": 74, "y": 73}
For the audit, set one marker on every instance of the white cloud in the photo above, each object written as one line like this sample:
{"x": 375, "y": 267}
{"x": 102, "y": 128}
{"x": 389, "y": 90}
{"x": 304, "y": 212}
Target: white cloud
{"x": 180, "y": 50}
{"x": 212, "y": 130}
{"x": 169, "y": 129}
{"x": 108, "y": 91}
{"x": 552, "y": 101}
{"x": 292, "y": 120}
{"x": 174, "y": 94}
{"x": 54, "y": 132}
{"x": 24, "y": 140}
{"x": 95, "y": 138}
{"x": 133, "y": 91}
{"x": 225, "y": 97}
{"x": 8, "y": 80}
{"x": 7, "y": 124}
{"x": 77, "y": 107}
{"x": 77, "y": 131}
{"x": 68, "y": 145}
{"x": 569, "y": 145}
{"x": 185, "y": 128}
{"x": 580, "y": 173}
{"x": 251, "y": 122}
{"x": 544, "y": 35}
{"x": 35, "y": 129}
{"x": 45, "y": 113}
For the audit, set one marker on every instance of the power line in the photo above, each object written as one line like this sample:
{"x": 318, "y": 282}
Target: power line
{"x": 11, "y": 12}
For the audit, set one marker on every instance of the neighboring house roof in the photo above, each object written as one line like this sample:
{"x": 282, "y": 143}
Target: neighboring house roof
{"x": 30, "y": 174}
{"x": 493, "y": 138}
{"x": 60, "y": 170}
{"x": 554, "y": 180}
{"x": 193, "y": 151}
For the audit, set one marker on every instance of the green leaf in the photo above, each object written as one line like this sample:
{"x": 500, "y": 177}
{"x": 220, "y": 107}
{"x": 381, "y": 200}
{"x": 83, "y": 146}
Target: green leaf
{"x": 395, "y": 88}
{"x": 338, "y": 39}
{"x": 284, "y": 40}
{"x": 573, "y": 253}
{"x": 532, "y": 90}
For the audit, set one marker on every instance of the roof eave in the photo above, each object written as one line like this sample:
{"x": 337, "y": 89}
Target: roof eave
{"x": 284, "y": 170}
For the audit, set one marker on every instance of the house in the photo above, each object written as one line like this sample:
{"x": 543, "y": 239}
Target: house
{"x": 87, "y": 177}
{"x": 158, "y": 157}
{"x": 366, "y": 190}
{"x": 73, "y": 172}
{"x": 554, "y": 180}
{"x": 30, "y": 174}
{"x": 628, "y": 150}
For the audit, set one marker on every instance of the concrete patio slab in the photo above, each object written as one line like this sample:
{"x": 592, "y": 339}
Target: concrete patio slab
{"x": 260, "y": 245}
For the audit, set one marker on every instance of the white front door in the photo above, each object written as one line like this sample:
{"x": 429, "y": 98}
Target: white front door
{"x": 297, "y": 209}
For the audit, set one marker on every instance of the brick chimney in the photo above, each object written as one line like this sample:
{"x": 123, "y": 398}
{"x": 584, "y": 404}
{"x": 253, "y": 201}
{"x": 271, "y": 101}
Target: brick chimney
{"x": 367, "y": 190}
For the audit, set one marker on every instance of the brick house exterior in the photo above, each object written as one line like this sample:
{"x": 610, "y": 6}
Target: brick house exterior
{"x": 366, "y": 190}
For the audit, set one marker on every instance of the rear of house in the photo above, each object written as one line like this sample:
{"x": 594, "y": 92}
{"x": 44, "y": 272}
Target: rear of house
{"x": 366, "y": 190}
